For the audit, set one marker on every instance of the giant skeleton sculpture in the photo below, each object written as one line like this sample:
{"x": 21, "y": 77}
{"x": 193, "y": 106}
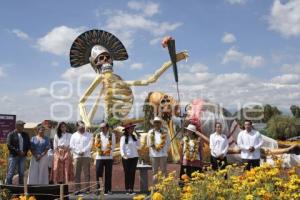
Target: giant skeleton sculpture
{"x": 100, "y": 49}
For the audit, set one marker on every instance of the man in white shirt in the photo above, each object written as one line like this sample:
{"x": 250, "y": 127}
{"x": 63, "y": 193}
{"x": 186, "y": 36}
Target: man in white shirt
{"x": 105, "y": 143}
{"x": 81, "y": 144}
{"x": 218, "y": 145}
{"x": 250, "y": 142}
{"x": 158, "y": 141}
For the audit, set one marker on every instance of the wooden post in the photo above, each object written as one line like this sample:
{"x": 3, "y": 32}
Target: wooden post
{"x": 101, "y": 188}
{"x": 61, "y": 192}
{"x": 25, "y": 189}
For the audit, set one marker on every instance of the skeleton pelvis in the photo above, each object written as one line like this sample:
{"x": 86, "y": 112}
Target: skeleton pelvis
{"x": 118, "y": 96}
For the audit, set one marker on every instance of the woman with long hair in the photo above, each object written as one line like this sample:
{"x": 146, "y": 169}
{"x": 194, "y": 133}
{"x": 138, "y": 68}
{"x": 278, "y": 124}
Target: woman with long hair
{"x": 129, "y": 145}
{"x": 62, "y": 171}
{"x": 38, "y": 170}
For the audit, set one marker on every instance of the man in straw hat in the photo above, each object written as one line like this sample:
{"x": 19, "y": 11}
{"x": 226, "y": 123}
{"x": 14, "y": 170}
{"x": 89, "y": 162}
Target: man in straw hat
{"x": 158, "y": 141}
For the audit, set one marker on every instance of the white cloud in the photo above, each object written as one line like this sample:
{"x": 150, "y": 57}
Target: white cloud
{"x": 148, "y": 9}
{"x": 20, "y": 34}
{"x": 122, "y": 20}
{"x": 286, "y": 79}
{"x": 228, "y": 38}
{"x": 2, "y": 73}
{"x": 288, "y": 68}
{"x": 231, "y": 89}
{"x": 155, "y": 40}
{"x": 6, "y": 99}
{"x": 246, "y": 61}
{"x": 39, "y": 92}
{"x": 233, "y": 2}
{"x": 285, "y": 18}
{"x": 136, "y": 66}
{"x": 74, "y": 74}
{"x": 59, "y": 40}
{"x": 193, "y": 68}
{"x": 125, "y": 24}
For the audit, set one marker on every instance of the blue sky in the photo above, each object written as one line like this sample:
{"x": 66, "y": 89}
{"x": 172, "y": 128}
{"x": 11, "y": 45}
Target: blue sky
{"x": 240, "y": 50}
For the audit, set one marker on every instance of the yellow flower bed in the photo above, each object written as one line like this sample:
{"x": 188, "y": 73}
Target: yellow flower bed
{"x": 262, "y": 183}
{"x": 139, "y": 197}
{"x": 3, "y": 160}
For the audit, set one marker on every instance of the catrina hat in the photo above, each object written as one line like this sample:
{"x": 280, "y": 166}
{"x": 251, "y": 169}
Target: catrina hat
{"x": 82, "y": 46}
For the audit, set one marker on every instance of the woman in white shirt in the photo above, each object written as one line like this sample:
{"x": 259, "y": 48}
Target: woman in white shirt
{"x": 62, "y": 160}
{"x": 218, "y": 144}
{"x": 129, "y": 145}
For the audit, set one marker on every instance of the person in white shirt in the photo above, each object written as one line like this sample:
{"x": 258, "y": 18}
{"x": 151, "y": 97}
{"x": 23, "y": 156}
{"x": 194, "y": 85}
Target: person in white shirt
{"x": 218, "y": 144}
{"x": 81, "y": 144}
{"x": 63, "y": 171}
{"x": 158, "y": 141}
{"x": 129, "y": 145}
{"x": 105, "y": 142}
{"x": 250, "y": 141}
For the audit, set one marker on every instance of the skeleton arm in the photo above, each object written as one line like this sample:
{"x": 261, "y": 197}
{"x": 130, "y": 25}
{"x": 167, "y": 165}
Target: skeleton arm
{"x": 179, "y": 56}
{"x": 87, "y": 117}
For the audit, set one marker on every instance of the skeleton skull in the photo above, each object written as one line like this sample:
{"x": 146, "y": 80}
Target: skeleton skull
{"x": 100, "y": 59}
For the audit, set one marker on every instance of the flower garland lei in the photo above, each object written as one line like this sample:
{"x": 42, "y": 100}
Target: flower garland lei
{"x": 98, "y": 145}
{"x": 190, "y": 153}
{"x": 163, "y": 137}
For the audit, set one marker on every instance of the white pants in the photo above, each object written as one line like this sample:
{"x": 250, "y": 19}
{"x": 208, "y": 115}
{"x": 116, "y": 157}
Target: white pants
{"x": 38, "y": 171}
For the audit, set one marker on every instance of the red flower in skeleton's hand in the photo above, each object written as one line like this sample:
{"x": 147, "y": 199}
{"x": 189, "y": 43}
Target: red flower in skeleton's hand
{"x": 165, "y": 41}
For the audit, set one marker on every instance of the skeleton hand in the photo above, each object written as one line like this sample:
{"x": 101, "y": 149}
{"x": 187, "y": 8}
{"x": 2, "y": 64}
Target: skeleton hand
{"x": 165, "y": 41}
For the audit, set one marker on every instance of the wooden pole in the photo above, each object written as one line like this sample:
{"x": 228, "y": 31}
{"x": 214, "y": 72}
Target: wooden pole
{"x": 25, "y": 189}
{"x": 61, "y": 192}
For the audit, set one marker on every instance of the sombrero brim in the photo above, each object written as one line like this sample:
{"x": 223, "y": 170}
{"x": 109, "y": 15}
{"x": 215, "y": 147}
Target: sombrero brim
{"x": 133, "y": 125}
{"x": 190, "y": 130}
{"x": 81, "y": 48}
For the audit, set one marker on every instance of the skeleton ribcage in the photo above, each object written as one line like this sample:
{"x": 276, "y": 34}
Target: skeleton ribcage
{"x": 118, "y": 96}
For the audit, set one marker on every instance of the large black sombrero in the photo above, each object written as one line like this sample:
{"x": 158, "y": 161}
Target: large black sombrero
{"x": 83, "y": 44}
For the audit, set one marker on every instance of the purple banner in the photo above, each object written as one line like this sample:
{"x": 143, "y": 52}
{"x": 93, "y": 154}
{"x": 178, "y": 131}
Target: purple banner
{"x": 7, "y": 124}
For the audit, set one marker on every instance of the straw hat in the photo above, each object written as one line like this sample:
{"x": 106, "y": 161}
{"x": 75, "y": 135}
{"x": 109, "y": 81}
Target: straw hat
{"x": 192, "y": 128}
{"x": 157, "y": 119}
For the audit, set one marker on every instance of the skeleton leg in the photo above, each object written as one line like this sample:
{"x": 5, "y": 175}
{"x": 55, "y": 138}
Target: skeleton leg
{"x": 83, "y": 99}
{"x": 179, "y": 56}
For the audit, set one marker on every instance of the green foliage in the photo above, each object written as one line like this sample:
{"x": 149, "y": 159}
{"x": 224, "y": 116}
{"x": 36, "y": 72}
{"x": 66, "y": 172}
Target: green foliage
{"x": 112, "y": 122}
{"x": 281, "y": 127}
{"x": 269, "y": 112}
{"x": 149, "y": 114}
{"x": 5, "y": 194}
{"x": 71, "y": 127}
{"x": 295, "y": 111}
{"x": 257, "y": 113}
{"x": 254, "y": 113}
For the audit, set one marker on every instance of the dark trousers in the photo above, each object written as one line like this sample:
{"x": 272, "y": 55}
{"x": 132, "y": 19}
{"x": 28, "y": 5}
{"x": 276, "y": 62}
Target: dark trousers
{"x": 251, "y": 163}
{"x": 218, "y": 163}
{"x": 188, "y": 170}
{"x": 104, "y": 164}
{"x": 129, "y": 166}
